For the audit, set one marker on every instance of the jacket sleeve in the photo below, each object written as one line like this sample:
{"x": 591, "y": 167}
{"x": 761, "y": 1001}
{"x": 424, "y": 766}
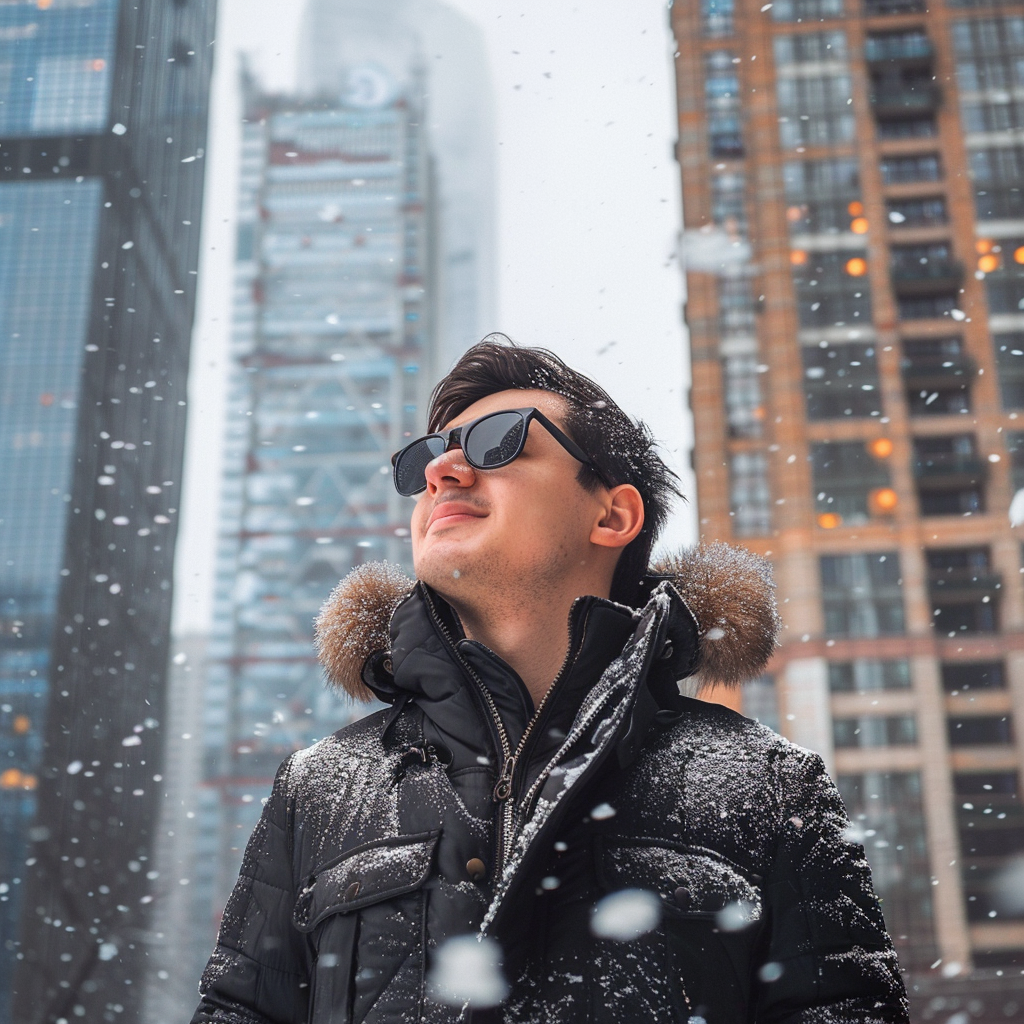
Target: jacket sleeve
{"x": 827, "y": 956}
{"x": 259, "y": 971}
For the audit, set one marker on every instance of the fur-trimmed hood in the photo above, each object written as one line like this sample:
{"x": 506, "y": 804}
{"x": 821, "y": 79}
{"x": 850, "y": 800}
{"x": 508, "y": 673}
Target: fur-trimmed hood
{"x": 729, "y": 591}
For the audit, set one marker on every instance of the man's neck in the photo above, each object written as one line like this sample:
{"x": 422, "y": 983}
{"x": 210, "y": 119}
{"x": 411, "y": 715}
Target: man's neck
{"x": 532, "y": 637}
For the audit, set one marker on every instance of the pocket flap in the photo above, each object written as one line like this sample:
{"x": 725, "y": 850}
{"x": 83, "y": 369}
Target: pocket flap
{"x": 368, "y": 874}
{"x": 693, "y": 879}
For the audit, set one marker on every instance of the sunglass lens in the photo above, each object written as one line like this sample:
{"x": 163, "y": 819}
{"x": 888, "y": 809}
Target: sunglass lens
{"x": 495, "y": 440}
{"x": 410, "y": 468}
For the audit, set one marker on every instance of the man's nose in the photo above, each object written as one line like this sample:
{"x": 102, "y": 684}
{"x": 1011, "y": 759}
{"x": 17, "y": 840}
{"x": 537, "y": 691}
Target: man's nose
{"x": 450, "y": 469}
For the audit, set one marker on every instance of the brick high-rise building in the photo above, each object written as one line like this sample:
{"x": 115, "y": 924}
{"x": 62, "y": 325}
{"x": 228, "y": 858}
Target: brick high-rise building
{"x": 854, "y": 243}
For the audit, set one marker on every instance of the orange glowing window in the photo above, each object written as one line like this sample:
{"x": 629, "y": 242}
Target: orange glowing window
{"x": 98, "y": 65}
{"x": 855, "y": 209}
{"x": 798, "y": 257}
{"x": 44, "y": 4}
{"x": 21, "y": 724}
{"x": 857, "y": 267}
{"x": 988, "y": 263}
{"x": 859, "y": 225}
{"x": 881, "y": 447}
{"x": 883, "y": 500}
{"x": 983, "y": 245}
{"x": 46, "y": 398}
{"x": 794, "y": 213}
{"x": 829, "y": 520}
{"x": 10, "y": 779}
{"x": 1018, "y": 255}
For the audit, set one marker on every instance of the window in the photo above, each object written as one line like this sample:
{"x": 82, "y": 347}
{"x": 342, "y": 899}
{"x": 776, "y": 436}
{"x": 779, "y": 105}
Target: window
{"x": 742, "y": 387}
{"x": 810, "y": 48}
{"x": 1010, "y": 364}
{"x": 1004, "y": 274}
{"x": 717, "y": 18}
{"x": 1015, "y": 447}
{"x": 722, "y": 101}
{"x": 874, "y": 7}
{"x": 961, "y": 676}
{"x": 886, "y": 809}
{"x": 997, "y": 172}
{"x": 807, "y": 10}
{"x": 862, "y": 594}
{"x": 750, "y": 498}
{"x": 814, "y": 110}
{"x": 988, "y": 52}
{"x": 866, "y": 675}
{"x": 899, "y": 169}
{"x": 847, "y": 481}
{"x": 735, "y": 306}
{"x": 937, "y": 376}
{"x": 841, "y": 380}
{"x": 822, "y": 196}
{"x": 915, "y": 213}
{"x": 921, "y": 266}
{"x": 990, "y": 823}
{"x": 760, "y": 701}
{"x": 832, "y": 288}
{"x": 964, "y": 590}
{"x": 728, "y": 207}
{"x": 979, "y": 730}
{"x": 950, "y": 475}
{"x": 874, "y": 731}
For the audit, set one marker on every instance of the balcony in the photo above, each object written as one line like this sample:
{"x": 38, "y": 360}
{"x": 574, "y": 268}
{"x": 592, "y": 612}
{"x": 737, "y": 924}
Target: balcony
{"x": 948, "y": 469}
{"x": 931, "y": 277}
{"x": 872, "y": 8}
{"x": 899, "y": 99}
{"x": 938, "y": 372}
{"x": 965, "y": 584}
{"x": 906, "y": 48}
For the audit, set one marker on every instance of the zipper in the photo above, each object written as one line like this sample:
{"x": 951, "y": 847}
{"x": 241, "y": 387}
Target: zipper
{"x": 503, "y": 788}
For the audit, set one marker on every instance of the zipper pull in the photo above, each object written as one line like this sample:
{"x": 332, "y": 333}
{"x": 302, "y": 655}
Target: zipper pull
{"x": 503, "y": 788}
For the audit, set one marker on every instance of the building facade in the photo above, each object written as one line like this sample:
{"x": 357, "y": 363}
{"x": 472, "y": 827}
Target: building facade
{"x": 854, "y": 244}
{"x": 332, "y": 360}
{"x": 103, "y": 124}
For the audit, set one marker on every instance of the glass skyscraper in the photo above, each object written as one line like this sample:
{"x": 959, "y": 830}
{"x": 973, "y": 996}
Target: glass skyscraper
{"x": 102, "y": 122}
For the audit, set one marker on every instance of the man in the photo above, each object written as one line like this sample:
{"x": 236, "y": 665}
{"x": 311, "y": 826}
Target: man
{"x": 541, "y": 828}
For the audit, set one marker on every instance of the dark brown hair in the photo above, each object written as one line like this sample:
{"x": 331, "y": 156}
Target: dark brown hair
{"x": 623, "y": 449}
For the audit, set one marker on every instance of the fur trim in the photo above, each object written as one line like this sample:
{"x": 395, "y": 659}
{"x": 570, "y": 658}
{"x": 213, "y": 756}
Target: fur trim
{"x": 731, "y": 592}
{"x": 354, "y": 623}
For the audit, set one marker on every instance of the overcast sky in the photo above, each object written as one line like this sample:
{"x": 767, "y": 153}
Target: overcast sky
{"x": 587, "y": 216}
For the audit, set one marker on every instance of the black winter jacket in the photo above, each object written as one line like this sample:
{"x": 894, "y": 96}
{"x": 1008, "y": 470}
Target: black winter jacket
{"x": 414, "y": 826}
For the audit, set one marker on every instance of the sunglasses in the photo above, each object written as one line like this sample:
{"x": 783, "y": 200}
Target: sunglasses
{"x": 487, "y": 442}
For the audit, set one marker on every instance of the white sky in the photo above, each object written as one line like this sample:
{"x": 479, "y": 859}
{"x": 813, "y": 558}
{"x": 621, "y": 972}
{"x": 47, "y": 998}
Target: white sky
{"x": 587, "y": 217}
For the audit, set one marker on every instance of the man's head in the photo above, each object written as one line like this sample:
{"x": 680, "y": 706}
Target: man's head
{"x": 546, "y": 515}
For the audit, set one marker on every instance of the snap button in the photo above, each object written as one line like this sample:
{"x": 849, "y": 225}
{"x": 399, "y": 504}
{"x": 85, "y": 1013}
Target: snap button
{"x": 476, "y": 869}
{"x": 352, "y": 891}
{"x": 667, "y": 651}
{"x": 683, "y": 898}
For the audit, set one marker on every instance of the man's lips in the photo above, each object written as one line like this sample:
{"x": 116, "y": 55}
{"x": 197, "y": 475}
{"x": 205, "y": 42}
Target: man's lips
{"x": 452, "y": 512}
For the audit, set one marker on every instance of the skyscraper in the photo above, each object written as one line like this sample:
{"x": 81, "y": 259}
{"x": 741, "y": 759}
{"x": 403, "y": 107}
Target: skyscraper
{"x": 854, "y": 237}
{"x": 349, "y": 275}
{"x": 103, "y": 123}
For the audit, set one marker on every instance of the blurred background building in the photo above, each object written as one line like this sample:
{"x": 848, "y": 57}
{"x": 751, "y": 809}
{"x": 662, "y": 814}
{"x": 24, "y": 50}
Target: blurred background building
{"x": 854, "y": 237}
{"x": 363, "y": 268}
{"x": 103, "y": 111}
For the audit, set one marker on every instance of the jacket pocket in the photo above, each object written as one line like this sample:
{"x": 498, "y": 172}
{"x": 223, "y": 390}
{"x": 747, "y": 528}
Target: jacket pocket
{"x": 344, "y": 906}
{"x": 711, "y": 918}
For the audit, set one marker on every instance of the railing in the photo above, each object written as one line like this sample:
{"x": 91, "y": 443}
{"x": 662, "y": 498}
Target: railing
{"x": 915, "y": 278}
{"x": 898, "y": 48}
{"x": 948, "y": 467}
{"x": 972, "y": 581}
{"x": 937, "y": 370}
{"x": 893, "y": 100}
{"x": 874, "y": 7}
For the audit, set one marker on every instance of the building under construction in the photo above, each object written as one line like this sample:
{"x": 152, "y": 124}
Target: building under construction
{"x": 854, "y": 244}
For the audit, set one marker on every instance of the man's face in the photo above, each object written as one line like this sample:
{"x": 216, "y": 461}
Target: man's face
{"x": 526, "y": 523}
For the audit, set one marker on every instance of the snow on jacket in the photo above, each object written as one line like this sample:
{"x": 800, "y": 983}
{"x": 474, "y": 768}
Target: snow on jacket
{"x": 461, "y": 811}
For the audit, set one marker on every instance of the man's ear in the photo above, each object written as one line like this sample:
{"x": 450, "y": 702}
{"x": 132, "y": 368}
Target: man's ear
{"x": 622, "y": 518}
